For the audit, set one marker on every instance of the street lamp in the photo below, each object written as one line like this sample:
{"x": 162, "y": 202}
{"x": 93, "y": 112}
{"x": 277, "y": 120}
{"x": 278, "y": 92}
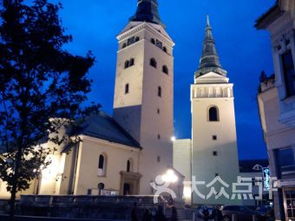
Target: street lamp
{"x": 170, "y": 176}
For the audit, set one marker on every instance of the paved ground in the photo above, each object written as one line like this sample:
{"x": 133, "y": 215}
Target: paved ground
{"x": 28, "y": 218}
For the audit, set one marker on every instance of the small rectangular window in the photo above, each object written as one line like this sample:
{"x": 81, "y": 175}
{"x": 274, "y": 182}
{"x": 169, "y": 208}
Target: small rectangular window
{"x": 158, "y": 159}
{"x": 215, "y": 153}
{"x": 214, "y": 137}
{"x": 159, "y": 92}
{"x": 159, "y": 44}
{"x": 131, "y": 40}
{"x": 126, "y": 88}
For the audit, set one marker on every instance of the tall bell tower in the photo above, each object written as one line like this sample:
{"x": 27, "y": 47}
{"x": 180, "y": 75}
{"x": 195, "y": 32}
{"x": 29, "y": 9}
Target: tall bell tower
{"x": 143, "y": 102}
{"x": 214, "y": 142}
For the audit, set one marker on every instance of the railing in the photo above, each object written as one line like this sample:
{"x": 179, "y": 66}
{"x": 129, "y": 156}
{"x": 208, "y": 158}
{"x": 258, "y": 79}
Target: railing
{"x": 98, "y": 207}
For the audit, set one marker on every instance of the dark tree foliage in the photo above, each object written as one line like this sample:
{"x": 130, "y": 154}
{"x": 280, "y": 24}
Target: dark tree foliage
{"x": 42, "y": 88}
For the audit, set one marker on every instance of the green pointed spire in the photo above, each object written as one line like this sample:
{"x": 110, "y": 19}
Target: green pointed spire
{"x": 209, "y": 61}
{"x": 147, "y": 10}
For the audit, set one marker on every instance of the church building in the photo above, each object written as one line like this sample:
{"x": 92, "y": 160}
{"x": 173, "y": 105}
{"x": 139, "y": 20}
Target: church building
{"x": 211, "y": 153}
{"x": 123, "y": 154}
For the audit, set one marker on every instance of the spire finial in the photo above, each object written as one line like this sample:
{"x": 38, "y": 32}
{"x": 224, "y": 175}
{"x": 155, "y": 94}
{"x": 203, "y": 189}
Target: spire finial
{"x": 208, "y": 20}
{"x": 209, "y": 61}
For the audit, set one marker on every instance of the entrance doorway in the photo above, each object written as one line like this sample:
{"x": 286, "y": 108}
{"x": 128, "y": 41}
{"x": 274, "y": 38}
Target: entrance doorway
{"x": 127, "y": 190}
{"x": 289, "y": 198}
{"x": 129, "y": 183}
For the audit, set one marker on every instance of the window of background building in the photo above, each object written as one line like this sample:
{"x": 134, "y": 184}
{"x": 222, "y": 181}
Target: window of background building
{"x": 285, "y": 163}
{"x": 289, "y": 72}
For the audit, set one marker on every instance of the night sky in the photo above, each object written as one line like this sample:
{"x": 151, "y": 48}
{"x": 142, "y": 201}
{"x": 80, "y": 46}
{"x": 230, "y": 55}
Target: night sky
{"x": 244, "y": 53}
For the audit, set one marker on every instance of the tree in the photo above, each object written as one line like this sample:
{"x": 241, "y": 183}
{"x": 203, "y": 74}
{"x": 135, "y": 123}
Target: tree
{"x": 42, "y": 90}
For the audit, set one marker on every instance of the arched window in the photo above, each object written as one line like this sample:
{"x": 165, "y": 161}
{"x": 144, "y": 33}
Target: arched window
{"x": 124, "y": 45}
{"x": 127, "y": 64}
{"x": 153, "y": 62}
{"x": 129, "y": 165}
{"x": 101, "y": 165}
{"x": 153, "y": 41}
{"x": 126, "y": 88}
{"x": 213, "y": 114}
{"x": 131, "y": 62}
{"x": 159, "y": 91}
{"x": 136, "y": 39}
{"x": 165, "y": 49}
{"x": 165, "y": 69}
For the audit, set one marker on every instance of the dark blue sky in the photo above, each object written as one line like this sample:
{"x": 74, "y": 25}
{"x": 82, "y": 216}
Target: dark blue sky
{"x": 244, "y": 52}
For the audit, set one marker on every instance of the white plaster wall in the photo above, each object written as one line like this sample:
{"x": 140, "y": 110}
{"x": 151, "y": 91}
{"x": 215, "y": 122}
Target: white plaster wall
{"x": 137, "y": 111}
{"x": 277, "y": 135}
{"x": 282, "y": 31}
{"x": 205, "y": 165}
{"x": 116, "y": 161}
{"x": 182, "y": 151}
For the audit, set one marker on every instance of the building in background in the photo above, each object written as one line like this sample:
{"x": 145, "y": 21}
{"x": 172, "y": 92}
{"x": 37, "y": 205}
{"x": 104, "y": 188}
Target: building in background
{"x": 258, "y": 172}
{"x": 182, "y": 161}
{"x": 212, "y": 151}
{"x": 276, "y": 99}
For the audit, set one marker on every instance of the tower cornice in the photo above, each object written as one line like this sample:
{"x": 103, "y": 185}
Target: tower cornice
{"x": 139, "y": 26}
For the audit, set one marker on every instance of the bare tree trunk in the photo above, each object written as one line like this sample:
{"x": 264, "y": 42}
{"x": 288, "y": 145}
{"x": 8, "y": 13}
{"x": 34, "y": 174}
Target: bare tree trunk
{"x": 14, "y": 185}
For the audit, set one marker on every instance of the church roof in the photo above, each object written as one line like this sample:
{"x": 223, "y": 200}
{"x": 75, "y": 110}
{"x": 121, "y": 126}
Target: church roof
{"x": 147, "y": 10}
{"x": 269, "y": 17}
{"x": 104, "y": 127}
{"x": 209, "y": 61}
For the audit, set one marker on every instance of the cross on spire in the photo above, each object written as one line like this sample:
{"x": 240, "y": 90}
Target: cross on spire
{"x": 208, "y": 20}
{"x": 209, "y": 61}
